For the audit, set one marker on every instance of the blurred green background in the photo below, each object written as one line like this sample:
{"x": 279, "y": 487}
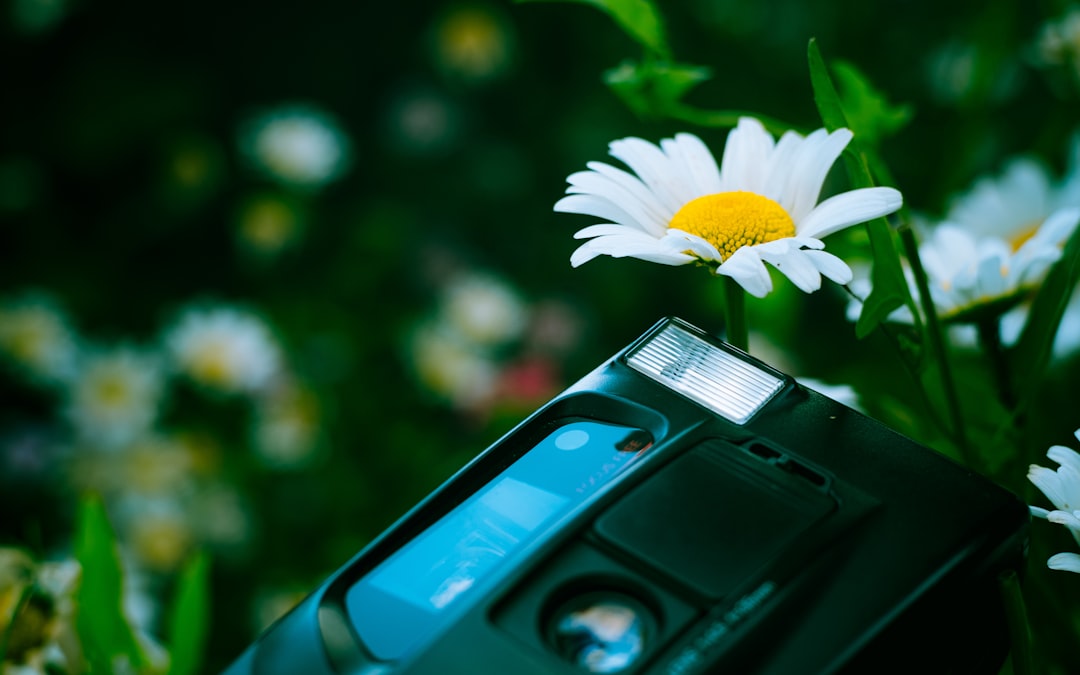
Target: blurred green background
{"x": 129, "y": 191}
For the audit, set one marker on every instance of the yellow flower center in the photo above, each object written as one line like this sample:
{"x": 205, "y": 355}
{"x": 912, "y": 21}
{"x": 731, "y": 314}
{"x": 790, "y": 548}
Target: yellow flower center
{"x": 1023, "y": 234}
{"x": 731, "y": 220}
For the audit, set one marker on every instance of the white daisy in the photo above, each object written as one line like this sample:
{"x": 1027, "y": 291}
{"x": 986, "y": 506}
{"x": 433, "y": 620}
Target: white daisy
{"x": 1011, "y": 206}
{"x": 1058, "y": 42}
{"x": 285, "y": 427}
{"x": 759, "y": 206}
{"x": 36, "y": 336}
{"x": 115, "y": 396}
{"x": 300, "y": 145}
{"x": 452, "y": 368}
{"x": 473, "y": 43}
{"x": 224, "y": 348}
{"x": 1062, "y": 488}
{"x": 966, "y": 271}
{"x": 483, "y": 309}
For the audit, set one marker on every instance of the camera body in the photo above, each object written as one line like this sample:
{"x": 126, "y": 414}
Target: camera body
{"x": 683, "y": 508}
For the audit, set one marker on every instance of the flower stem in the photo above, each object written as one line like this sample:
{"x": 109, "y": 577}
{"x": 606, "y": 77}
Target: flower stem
{"x": 935, "y": 335}
{"x": 735, "y": 327}
{"x": 1017, "y": 619}
{"x": 990, "y": 339}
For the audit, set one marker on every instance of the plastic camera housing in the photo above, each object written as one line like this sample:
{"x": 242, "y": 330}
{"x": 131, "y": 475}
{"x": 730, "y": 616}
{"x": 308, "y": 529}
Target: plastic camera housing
{"x": 684, "y": 508}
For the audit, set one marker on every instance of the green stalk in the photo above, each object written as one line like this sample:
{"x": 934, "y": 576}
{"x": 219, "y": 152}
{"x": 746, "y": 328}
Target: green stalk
{"x": 1017, "y": 619}
{"x": 935, "y": 334}
{"x": 735, "y": 314}
{"x": 990, "y": 339}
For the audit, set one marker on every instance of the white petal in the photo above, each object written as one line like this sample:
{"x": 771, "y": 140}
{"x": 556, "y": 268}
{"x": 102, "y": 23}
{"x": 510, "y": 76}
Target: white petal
{"x": 630, "y": 245}
{"x": 746, "y": 155}
{"x": 633, "y": 200}
{"x": 990, "y": 281}
{"x": 1064, "y": 456}
{"x": 810, "y": 167}
{"x": 636, "y": 187}
{"x": 591, "y": 205}
{"x": 654, "y": 168}
{"x": 1048, "y": 483}
{"x": 746, "y": 268}
{"x": 606, "y": 229}
{"x": 778, "y": 176}
{"x": 795, "y": 265}
{"x": 700, "y": 164}
{"x": 680, "y": 240}
{"x": 830, "y": 266}
{"x": 1064, "y": 518}
{"x": 847, "y": 209}
{"x": 1058, "y": 226}
{"x": 1068, "y": 562}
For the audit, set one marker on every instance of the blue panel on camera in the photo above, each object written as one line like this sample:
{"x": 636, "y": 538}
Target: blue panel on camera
{"x": 401, "y": 602}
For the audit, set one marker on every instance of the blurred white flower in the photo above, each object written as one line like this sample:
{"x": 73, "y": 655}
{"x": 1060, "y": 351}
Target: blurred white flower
{"x": 37, "y": 614}
{"x": 36, "y": 337}
{"x": 286, "y": 426}
{"x": 157, "y": 532}
{"x": 298, "y": 145}
{"x": 966, "y": 271}
{"x": 473, "y": 43}
{"x": 483, "y": 309}
{"x": 221, "y": 516}
{"x": 1062, "y": 488}
{"x": 759, "y": 206}
{"x": 1067, "y": 338}
{"x": 267, "y": 223}
{"x": 1058, "y": 42}
{"x": 115, "y": 395}
{"x": 1012, "y": 205}
{"x": 155, "y": 465}
{"x": 420, "y": 120}
{"x": 223, "y": 348}
{"x": 453, "y": 369}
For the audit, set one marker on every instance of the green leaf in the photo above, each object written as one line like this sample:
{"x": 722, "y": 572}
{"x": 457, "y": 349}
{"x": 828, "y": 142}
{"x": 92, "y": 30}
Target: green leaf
{"x": 890, "y": 289}
{"x": 653, "y": 89}
{"x": 638, "y": 18}
{"x": 825, "y": 95}
{"x": 1032, "y": 351}
{"x": 870, "y": 116}
{"x": 103, "y": 629}
{"x": 190, "y": 617}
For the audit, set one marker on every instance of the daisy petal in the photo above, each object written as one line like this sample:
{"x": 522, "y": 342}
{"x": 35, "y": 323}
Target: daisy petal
{"x": 778, "y": 175}
{"x": 604, "y": 230}
{"x": 830, "y": 266}
{"x": 655, "y": 169}
{"x": 684, "y": 241}
{"x": 1064, "y": 456}
{"x": 746, "y": 268}
{"x": 1068, "y": 562}
{"x": 795, "y": 265}
{"x": 700, "y": 163}
{"x": 811, "y": 165}
{"x": 630, "y": 245}
{"x": 847, "y": 209}
{"x": 1064, "y": 518}
{"x": 744, "y": 162}
{"x": 591, "y": 205}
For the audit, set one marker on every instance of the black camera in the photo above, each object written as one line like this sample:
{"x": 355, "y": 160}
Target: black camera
{"x": 684, "y": 508}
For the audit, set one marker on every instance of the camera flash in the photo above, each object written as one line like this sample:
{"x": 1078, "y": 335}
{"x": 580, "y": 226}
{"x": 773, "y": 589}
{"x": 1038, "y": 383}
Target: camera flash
{"x": 706, "y": 374}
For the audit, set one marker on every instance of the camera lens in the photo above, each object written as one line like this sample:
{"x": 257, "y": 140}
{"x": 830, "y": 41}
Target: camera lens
{"x": 600, "y": 631}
